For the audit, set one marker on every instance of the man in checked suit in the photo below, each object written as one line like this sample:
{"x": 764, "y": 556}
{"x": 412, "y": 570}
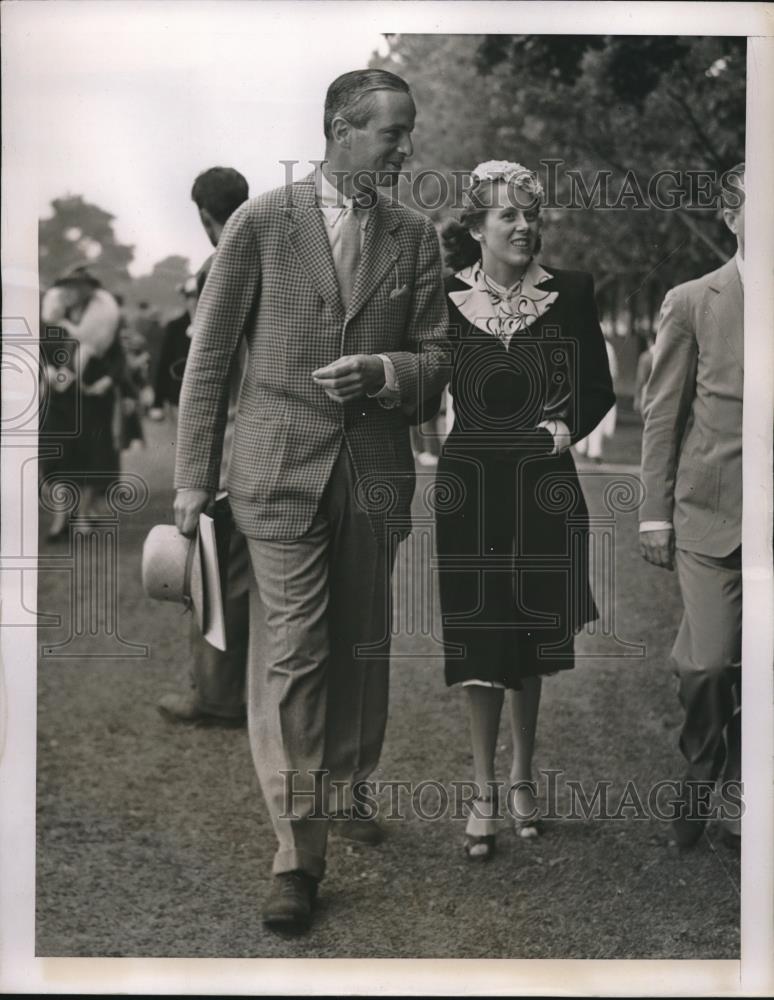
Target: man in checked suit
{"x": 692, "y": 515}
{"x": 341, "y": 304}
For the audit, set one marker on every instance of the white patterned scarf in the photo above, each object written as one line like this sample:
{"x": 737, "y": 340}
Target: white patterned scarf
{"x": 503, "y": 312}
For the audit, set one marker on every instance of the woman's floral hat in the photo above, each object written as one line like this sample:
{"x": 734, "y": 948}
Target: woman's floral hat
{"x": 511, "y": 173}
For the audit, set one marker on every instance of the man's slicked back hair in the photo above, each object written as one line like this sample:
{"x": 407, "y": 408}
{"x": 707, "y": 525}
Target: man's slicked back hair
{"x": 348, "y": 96}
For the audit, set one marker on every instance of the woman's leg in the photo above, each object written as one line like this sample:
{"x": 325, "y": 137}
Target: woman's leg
{"x": 524, "y": 707}
{"x": 86, "y": 501}
{"x": 50, "y": 496}
{"x": 484, "y": 708}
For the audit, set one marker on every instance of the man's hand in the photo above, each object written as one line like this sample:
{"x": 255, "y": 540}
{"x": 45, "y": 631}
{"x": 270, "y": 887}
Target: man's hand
{"x": 658, "y": 547}
{"x": 189, "y": 504}
{"x": 351, "y": 377}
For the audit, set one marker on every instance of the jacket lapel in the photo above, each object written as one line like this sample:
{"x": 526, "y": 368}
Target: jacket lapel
{"x": 310, "y": 241}
{"x": 727, "y": 307}
{"x": 380, "y": 252}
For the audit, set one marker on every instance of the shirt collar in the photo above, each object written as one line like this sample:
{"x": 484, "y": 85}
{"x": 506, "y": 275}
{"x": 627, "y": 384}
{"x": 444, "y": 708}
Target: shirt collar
{"x": 740, "y": 265}
{"x": 330, "y": 196}
{"x": 533, "y": 276}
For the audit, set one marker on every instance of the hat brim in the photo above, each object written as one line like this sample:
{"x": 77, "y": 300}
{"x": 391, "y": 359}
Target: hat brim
{"x": 172, "y": 569}
{"x": 189, "y": 571}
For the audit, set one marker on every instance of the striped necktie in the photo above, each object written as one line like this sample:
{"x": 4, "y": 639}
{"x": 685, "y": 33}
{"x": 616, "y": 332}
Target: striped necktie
{"x": 349, "y": 253}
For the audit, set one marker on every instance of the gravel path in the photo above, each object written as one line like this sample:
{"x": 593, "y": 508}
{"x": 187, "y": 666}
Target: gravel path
{"x": 154, "y": 841}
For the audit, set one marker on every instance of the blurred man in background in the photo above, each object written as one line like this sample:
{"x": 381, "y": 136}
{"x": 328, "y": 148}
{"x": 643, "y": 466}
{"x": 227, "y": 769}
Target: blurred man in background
{"x": 174, "y": 351}
{"x": 217, "y": 679}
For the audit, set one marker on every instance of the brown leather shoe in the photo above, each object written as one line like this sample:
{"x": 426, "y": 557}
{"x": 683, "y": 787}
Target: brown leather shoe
{"x": 288, "y": 907}
{"x": 184, "y": 710}
{"x": 357, "y": 829}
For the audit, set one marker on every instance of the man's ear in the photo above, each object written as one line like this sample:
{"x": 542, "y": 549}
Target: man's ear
{"x": 730, "y": 219}
{"x": 341, "y": 131}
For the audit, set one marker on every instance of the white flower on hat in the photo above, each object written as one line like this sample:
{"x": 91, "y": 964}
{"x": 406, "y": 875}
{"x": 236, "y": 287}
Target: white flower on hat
{"x": 511, "y": 173}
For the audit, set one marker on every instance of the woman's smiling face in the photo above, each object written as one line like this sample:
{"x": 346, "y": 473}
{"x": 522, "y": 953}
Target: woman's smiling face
{"x": 510, "y": 231}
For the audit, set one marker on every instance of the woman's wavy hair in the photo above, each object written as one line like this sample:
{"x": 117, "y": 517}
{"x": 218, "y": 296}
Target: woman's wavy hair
{"x": 459, "y": 247}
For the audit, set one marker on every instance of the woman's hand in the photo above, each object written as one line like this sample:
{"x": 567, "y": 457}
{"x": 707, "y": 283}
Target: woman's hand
{"x": 560, "y": 433}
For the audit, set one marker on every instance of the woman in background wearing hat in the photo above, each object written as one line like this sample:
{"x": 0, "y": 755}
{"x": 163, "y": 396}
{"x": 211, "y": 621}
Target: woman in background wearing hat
{"x": 530, "y": 378}
{"x": 84, "y": 374}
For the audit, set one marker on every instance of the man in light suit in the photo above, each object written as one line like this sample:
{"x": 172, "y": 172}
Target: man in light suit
{"x": 692, "y": 515}
{"x": 337, "y": 290}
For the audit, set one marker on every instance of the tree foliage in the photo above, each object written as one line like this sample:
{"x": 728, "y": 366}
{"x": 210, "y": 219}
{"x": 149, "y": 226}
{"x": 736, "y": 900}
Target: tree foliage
{"x": 630, "y": 106}
{"x": 161, "y": 288}
{"x": 78, "y": 232}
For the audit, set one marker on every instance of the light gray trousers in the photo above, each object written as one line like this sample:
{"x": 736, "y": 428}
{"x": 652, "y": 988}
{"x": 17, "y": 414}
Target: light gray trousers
{"x": 316, "y": 703}
{"x": 707, "y": 653}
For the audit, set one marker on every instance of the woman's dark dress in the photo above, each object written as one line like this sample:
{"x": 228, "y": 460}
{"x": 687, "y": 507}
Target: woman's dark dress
{"x": 79, "y": 431}
{"x": 511, "y": 520}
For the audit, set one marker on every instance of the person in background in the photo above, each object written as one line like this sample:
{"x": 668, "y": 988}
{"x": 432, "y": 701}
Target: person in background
{"x": 692, "y": 514}
{"x": 592, "y": 446}
{"x": 217, "y": 679}
{"x": 134, "y": 383}
{"x": 174, "y": 351}
{"x": 84, "y": 378}
{"x": 426, "y": 439}
{"x": 146, "y": 321}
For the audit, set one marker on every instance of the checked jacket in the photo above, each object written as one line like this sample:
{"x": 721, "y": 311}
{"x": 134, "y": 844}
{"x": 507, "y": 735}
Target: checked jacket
{"x": 273, "y": 281}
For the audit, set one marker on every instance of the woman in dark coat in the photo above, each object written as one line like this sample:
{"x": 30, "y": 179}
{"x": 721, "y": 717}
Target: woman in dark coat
{"x": 85, "y": 375}
{"x": 530, "y": 378}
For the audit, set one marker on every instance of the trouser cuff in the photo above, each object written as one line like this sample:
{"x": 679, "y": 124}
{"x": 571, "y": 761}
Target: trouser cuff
{"x": 296, "y": 860}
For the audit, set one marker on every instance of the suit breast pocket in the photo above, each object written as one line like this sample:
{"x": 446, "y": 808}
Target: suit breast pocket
{"x": 697, "y": 492}
{"x": 396, "y": 308}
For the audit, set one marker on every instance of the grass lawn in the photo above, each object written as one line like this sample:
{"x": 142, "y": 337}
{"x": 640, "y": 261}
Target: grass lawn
{"x": 154, "y": 841}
